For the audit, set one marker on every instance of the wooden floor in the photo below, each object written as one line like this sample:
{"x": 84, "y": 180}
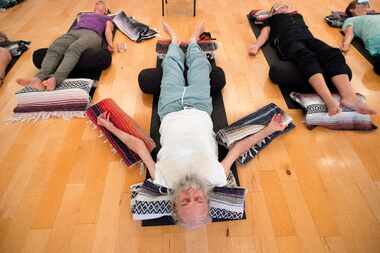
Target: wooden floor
{"x": 62, "y": 189}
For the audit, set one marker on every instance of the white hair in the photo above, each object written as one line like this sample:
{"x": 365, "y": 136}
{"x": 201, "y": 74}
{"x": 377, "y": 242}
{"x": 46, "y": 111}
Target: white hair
{"x": 189, "y": 181}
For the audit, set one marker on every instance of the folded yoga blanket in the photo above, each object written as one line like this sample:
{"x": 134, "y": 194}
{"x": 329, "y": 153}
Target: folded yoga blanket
{"x": 252, "y": 124}
{"x": 134, "y": 29}
{"x": 70, "y": 99}
{"x": 152, "y": 201}
{"x": 207, "y": 46}
{"x": 122, "y": 121}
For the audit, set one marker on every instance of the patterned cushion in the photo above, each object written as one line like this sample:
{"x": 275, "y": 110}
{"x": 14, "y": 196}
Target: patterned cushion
{"x": 207, "y": 46}
{"x": 70, "y": 98}
{"x": 316, "y": 114}
{"x": 152, "y": 201}
{"x": 122, "y": 121}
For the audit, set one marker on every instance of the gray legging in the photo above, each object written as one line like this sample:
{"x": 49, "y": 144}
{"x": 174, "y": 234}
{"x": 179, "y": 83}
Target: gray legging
{"x": 64, "y": 53}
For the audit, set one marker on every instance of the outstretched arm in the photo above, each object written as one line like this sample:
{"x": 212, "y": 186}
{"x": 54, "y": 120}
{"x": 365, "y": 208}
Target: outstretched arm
{"x": 348, "y": 37}
{"x": 245, "y": 144}
{"x": 261, "y": 40}
{"x": 109, "y": 35}
{"x": 135, "y": 144}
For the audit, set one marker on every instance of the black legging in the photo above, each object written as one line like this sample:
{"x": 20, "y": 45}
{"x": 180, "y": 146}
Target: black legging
{"x": 377, "y": 65}
{"x": 313, "y": 56}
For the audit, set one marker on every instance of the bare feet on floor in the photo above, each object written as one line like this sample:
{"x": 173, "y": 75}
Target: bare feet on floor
{"x": 358, "y": 105}
{"x": 35, "y": 83}
{"x": 50, "y": 84}
{"x": 197, "y": 32}
{"x": 170, "y": 32}
{"x": 333, "y": 107}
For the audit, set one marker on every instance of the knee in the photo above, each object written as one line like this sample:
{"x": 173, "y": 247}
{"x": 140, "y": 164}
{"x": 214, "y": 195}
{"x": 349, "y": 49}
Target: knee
{"x": 76, "y": 49}
{"x": 336, "y": 64}
{"x": 304, "y": 56}
{"x": 334, "y": 56}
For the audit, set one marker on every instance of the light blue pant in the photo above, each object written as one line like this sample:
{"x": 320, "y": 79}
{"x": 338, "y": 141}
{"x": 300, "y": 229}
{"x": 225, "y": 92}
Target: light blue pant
{"x": 175, "y": 96}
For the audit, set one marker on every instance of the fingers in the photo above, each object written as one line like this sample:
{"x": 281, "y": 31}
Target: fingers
{"x": 277, "y": 117}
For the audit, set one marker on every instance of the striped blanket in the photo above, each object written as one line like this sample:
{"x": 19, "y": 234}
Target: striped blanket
{"x": 252, "y": 124}
{"x": 125, "y": 123}
{"x": 207, "y": 46}
{"x": 70, "y": 99}
{"x": 316, "y": 114}
{"x": 134, "y": 29}
{"x": 152, "y": 201}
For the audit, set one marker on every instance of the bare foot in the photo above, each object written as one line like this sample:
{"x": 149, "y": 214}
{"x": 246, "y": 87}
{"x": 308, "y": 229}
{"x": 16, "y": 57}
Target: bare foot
{"x": 358, "y": 104}
{"x": 35, "y": 83}
{"x": 333, "y": 107}
{"x": 23, "y": 82}
{"x": 170, "y": 32}
{"x": 197, "y": 32}
{"x": 50, "y": 84}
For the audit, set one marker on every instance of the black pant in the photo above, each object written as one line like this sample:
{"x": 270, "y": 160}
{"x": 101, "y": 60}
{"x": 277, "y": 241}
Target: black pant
{"x": 377, "y": 65}
{"x": 313, "y": 56}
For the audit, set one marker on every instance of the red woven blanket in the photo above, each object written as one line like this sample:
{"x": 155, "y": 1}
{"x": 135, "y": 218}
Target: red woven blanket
{"x": 122, "y": 121}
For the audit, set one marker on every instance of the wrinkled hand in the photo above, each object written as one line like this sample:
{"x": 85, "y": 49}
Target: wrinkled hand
{"x": 253, "y": 49}
{"x": 104, "y": 120}
{"x": 276, "y": 123}
{"x": 110, "y": 48}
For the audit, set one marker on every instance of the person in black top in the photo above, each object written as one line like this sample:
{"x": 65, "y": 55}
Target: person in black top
{"x": 287, "y": 32}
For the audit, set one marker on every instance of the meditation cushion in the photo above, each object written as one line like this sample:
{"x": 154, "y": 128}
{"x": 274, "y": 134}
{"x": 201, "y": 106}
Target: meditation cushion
{"x": 150, "y": 80}
{"x": 286, "y": 74}
{"x": 316, "y": 114}
{"x": 91, "y": 60}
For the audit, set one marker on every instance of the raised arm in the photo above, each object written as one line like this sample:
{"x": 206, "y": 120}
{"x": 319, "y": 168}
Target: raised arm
{"x": 348, "y": 37}
{"x": 261, "y": 40}
{"x": 109, "y": 35}
{"x": 245, "y": 144}
{"x": 135, "y": 144}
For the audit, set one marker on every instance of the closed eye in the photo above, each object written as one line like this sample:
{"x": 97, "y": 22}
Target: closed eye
{"x": 185, "y": 202}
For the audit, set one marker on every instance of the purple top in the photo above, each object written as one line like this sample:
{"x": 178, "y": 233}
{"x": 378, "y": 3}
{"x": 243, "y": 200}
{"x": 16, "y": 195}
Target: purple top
{"x": 93, "y": 22}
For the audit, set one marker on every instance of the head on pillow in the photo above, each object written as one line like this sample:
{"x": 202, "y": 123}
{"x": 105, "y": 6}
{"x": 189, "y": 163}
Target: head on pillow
{"x": 101, "y": 8}
{"x": 281, "y": 7}
{"x": 357, "y": 8}
{"x": 190, "y": 199}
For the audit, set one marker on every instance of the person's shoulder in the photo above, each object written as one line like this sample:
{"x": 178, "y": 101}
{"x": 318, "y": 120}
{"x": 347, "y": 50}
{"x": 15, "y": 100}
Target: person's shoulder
{"x": 354, "y": 19}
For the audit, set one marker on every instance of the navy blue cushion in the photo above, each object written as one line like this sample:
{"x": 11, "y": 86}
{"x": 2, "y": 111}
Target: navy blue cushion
{"x": 150, "y": 80}
{"x": 90, "y": 60}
